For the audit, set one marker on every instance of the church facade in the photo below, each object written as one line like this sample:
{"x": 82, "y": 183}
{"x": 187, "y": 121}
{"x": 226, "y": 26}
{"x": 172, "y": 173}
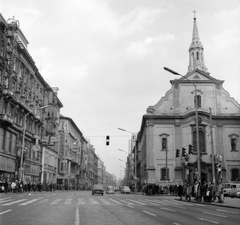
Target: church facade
{"x": 168, "y": 147}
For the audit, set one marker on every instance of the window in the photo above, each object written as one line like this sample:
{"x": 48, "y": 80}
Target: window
{"x": 202, "y": 139}
{"x": 163, "y": 173}
{"x": 235, "y": 174}
{"x": 198, "y": 101}
{"x": 1, "y": 138}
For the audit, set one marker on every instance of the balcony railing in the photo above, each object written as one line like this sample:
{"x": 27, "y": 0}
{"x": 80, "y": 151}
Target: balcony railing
{"x": 4, "y": 118}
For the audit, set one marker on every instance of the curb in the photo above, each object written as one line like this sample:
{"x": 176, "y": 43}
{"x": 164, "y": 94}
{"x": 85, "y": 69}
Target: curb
{"x": 215, "y": 204}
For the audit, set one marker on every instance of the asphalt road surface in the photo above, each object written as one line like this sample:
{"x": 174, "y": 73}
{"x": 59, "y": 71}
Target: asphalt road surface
{"x": 82, "y": 208}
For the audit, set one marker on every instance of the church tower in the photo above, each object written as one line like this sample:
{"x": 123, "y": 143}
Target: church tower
{"x": 196, "y": 51}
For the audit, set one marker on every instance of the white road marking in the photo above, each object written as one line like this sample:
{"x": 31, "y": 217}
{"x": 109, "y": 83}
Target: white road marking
{"x": 4, "y": 198}
{"x": 149, "y": 213}
{"x": 222, "y": 210}
{"x": 117, "y": 202}
{"x": 7, "y": 200}
{"x": 34, "y": 200}
{"x": 93, "y": 201}
{"x": 56, "y": 201}
{"x": 136, "y": 202}
{"x": 11, "y": 203}
{"x": 5, "y": 211}
{"x": 44, "y": 201}
{"x": 128, "y": 203}
{"x": 210, "y": 221}
{"x": 214, "y": 214}
{"x": 68, "y": 201}
{"x": 130, "y": 206}
{"x": 81, "y": 201}
{"x": 105, "y": 202}
{"x": 77, "y": 221}
{"x": 168, "y": 209}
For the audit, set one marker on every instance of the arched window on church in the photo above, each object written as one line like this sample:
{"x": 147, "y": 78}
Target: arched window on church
{"x": 197, "y": 55}
{"x": 235, "y": 174}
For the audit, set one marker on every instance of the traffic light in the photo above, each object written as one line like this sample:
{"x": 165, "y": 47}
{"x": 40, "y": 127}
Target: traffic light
{"x": 184, "y": 152}
{"x": 190, "y": 149}
{"x": 177, "y": 153}
{"x": 219, "y": 168}
{"x": 107, "y": 140}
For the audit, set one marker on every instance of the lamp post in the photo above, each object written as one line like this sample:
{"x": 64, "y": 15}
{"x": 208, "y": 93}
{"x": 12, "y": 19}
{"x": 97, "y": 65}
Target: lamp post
{"x": 23, "y": 139}
{"x": 196, "y": 115}
{"x": 135, "y": 158}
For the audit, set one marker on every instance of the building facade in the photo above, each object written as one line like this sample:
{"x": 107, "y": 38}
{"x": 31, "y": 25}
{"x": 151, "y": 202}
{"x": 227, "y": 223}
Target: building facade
{"x": 27, "y": 104}
{"x": 70, "y": 146}
{"x": 195, "y": 101}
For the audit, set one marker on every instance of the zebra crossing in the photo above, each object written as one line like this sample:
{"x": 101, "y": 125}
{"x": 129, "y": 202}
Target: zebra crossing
{"x": 8, "y": 201}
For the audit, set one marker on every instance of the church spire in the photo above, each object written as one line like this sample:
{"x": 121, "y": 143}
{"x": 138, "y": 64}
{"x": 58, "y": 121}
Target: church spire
{"x": 196, "y": 56}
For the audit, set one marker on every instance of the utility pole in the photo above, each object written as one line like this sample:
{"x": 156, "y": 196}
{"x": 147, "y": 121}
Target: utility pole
{"x": 212, "y": 148}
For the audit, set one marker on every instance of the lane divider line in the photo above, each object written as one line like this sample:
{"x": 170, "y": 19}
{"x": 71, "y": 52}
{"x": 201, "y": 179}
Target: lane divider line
{"x": 149, "y": 213}
{"x": 5, "y": 211}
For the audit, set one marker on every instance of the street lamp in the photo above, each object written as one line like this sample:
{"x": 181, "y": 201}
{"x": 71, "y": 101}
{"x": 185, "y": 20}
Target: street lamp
{"x": 196, "y": 114}
{"x": 135, "y": 157}
{"x": 23, "y": 139}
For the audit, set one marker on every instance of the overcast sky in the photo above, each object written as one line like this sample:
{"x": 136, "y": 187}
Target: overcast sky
{"x": 107, "y": 57}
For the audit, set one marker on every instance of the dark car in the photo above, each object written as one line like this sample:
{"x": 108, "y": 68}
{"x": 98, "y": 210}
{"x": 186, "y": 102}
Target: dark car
{"x": 98, "y": 189}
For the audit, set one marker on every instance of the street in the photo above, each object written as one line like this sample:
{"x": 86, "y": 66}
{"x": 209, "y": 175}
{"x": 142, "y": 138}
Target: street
{"x": 81, "y": 207}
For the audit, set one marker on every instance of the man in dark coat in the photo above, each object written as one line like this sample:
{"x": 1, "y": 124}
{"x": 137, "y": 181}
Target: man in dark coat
{"x": 180, "y": 191}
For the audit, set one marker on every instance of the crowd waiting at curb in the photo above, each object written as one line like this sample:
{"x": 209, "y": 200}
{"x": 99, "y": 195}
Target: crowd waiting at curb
{"x": 20, "y": 186}
{"x": 206, "y": 192}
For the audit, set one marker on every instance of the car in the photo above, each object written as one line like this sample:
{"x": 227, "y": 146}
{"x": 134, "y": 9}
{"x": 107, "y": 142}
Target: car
{"x": 228, "y": 188}
{"x": 125, "y": 190}
{"x": 110, "y": 190}
{"x": 235, "y": 193}
{"x": 98, "y": 189}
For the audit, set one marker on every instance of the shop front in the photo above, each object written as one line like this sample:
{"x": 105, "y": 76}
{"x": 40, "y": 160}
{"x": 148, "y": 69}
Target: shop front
{"x": 49, "y": 166}
{"x": 7, "y": 168}
{"x": 31, "y": 172}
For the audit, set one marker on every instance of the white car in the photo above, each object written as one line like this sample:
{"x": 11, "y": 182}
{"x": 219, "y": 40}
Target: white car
{"x": 125, "y": 190}
{"x": 110, "y": 190}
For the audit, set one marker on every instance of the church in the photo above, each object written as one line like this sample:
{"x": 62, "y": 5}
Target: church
{"x": 191, "y": 133}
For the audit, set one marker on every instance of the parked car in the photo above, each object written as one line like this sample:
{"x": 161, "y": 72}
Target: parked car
{"x": 125, "y": 190}
{"x": 98, "y": 189}
{"x": 110, "y": 190}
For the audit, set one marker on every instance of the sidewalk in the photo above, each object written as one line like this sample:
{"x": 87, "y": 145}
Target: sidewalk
{"x": 228, "y": 202}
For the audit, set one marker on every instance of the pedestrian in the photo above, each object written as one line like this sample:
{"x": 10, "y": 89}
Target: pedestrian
{"x": 180, "y": 191}
{"x": 188, "y": 192}
{"x": 218, "y": 192}
{"x": 6, "y": 186}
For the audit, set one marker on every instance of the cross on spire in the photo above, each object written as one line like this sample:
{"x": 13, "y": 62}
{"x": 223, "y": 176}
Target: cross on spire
{"x": 194, "y": 12}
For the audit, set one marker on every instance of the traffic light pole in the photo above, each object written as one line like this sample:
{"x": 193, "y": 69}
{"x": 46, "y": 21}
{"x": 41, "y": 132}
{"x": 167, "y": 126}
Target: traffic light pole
{"x": 212, "y": 148}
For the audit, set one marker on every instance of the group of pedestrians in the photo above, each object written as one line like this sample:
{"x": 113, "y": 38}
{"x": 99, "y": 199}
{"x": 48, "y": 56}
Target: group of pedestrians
{"x": 19, "y": 186}
{"x": 156, "y": 189}
{"x": 206, "y": 192}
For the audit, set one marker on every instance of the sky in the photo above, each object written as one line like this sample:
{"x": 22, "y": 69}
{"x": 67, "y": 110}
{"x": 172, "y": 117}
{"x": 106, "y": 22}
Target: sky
{"x": 107, "y": 57}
